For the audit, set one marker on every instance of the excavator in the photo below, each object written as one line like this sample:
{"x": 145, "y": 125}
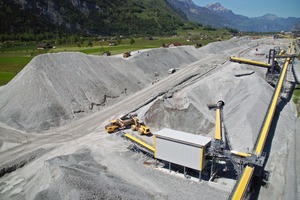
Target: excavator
{"x": 126, "y": 122}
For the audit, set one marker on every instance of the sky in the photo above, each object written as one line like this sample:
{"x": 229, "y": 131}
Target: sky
{"x": 258, "y": 8}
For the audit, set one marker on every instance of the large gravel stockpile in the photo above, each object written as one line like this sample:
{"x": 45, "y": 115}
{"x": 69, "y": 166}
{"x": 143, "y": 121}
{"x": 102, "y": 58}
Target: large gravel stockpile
{"x": 74, "y": 95}
{"x": 54, "y": 89}
{"x": 79, "y": 176}
{"x": 246, "y": 100}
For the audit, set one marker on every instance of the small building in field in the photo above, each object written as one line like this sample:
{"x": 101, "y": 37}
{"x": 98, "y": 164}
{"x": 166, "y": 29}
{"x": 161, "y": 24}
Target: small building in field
{"x": 45, "y": 46}
{"x": 174, "y": 44}
{"x": 126, "y": 54}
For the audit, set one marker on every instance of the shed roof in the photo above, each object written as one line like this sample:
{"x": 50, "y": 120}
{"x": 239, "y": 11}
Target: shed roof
{"x": 183, "y": 137}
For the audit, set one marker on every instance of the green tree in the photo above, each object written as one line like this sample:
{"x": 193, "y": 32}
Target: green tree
{"x": 73, "y": 39}
{"x": 119, "y": 41}
{"x": 90, "y": 44}
{"x": 58, "y": 41}
{"x": 132, "y": 41}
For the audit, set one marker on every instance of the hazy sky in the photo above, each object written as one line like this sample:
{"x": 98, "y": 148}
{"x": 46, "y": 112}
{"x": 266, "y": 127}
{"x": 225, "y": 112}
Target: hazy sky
{"x": 257, "y": 8}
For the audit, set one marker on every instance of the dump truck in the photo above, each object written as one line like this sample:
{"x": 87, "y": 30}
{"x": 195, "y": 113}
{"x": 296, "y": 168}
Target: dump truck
{"x": 118, "y": 124}
{"x": 122, "y": 123}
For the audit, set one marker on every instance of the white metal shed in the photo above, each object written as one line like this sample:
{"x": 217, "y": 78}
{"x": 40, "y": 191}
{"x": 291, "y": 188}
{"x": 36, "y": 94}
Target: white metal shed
{"x": 181, "y": 148}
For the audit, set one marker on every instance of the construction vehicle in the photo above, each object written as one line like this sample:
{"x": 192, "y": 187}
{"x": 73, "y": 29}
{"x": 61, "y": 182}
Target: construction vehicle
{"x": 126, "y": 122}
{"x": 140, "y": 127}
{"x": 118, "y": 124}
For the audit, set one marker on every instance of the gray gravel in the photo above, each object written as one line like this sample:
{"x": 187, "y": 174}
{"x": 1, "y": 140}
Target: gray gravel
{"x": 79, "y": 176}
{"x": 55, "y": 89}
{"x": 83, "y": 162}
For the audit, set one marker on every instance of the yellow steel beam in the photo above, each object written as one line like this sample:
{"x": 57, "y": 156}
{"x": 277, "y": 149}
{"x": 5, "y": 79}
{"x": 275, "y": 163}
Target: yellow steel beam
{"x": 154, "y": 146}
{"x": 243, "y": 183}
{"x": 267, "y": 123}
{"x": 250, "y": 62}
{"x": 281, "y": 52}
{"x": 140, "y": 142}
{"x": 201, "y": 158}
{"x": 218, "y": 135}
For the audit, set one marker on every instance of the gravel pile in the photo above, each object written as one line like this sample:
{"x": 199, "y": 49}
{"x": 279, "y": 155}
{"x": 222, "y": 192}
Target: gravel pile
{"x": 246, "y": 101}
{"x": 79, "y": 176}
{"x": 55, "y": 89}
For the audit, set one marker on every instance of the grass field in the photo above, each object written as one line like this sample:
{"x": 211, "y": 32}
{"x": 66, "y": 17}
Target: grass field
{"x": 5, "y": 77}
{"x": 296, "y": 98}
{"x": 11, "y": 64}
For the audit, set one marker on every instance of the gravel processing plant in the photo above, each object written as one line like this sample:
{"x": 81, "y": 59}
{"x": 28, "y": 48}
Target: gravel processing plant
{"x": 207, "y": 117}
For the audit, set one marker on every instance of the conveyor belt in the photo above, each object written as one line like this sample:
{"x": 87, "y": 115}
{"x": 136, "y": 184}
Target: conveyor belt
{"x": 250, "y": 62}
{"x": 241, "y": 187}
{"x": 140, "y": 142}
{"x": 281, "y": 52}
{"x": 243, "y": 183}
{"x": 218, "y": 132}
{"x": 271, "y": 110}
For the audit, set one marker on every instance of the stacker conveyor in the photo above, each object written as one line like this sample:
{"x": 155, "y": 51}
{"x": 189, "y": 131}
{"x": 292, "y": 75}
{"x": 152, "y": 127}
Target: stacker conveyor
{"x": 241, "y": 186}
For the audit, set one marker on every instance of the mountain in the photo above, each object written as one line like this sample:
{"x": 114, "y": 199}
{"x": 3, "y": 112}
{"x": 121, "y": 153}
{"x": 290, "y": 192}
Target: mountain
{"x": 218, "y": 8}
{"x": 296, "y": 27}
{"x": 199, "y": 14}
{"x": 265, "y": 23}
{"x": 272, "y": 23}
{"x": 91, "y": 17}
{"x": 29, "y": 20}
{"x": 223, "y": 17}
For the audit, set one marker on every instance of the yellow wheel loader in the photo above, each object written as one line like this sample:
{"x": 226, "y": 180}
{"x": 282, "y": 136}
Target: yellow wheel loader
{"x": 140, "y": 127}
{"x": 126, "y": 122}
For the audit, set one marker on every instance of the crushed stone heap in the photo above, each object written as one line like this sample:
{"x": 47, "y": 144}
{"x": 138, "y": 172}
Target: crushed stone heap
{"x": 56, "y": 88}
